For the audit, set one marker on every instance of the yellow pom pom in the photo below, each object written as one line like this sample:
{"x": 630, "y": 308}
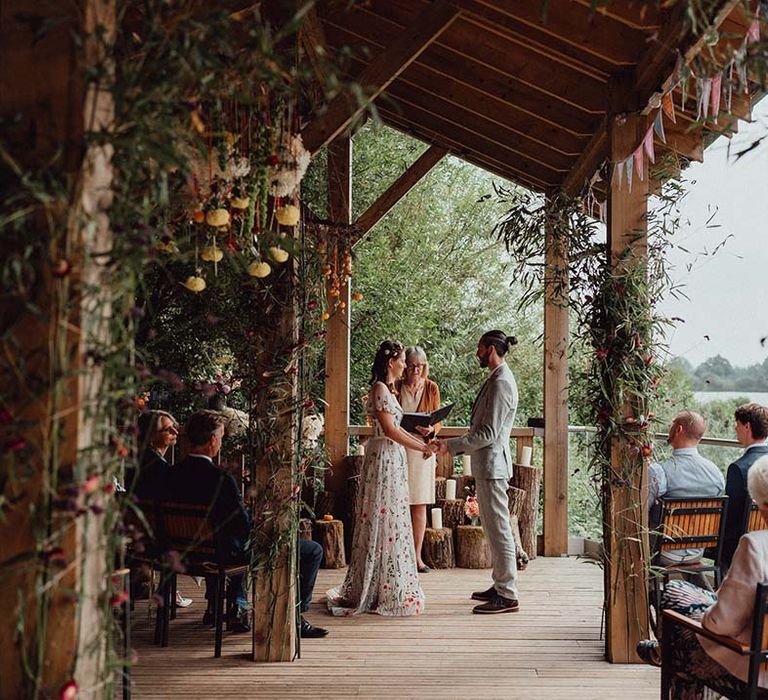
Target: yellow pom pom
{"x": 259, "y": 268}
{"x": 288, "y": 215}
{"x": 217, "y": 217}
{"x": 212, "y": 254}
{"x": 195, "y": 284}
{"x": 240, "y": 202}
{"x": 278, "y": 254}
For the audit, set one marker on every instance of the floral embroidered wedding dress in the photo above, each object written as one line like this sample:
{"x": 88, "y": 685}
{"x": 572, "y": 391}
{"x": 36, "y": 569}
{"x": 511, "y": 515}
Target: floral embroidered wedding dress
{"x": 382, "y": 576}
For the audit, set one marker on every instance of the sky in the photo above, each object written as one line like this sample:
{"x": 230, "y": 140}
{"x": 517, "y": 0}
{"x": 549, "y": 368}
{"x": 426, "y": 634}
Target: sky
{"x": 727, "y": 313}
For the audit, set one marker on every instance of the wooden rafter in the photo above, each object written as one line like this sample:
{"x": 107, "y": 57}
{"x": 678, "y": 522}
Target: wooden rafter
{"x": 633, "y": 13}
{"x": 400, "y": 187}
{"x": 380, "y": 73}
{"x": 447, "y": 65}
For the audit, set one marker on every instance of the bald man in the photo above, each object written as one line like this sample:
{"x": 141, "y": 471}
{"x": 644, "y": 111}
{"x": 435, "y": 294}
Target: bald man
{"x": 686, "y": 473}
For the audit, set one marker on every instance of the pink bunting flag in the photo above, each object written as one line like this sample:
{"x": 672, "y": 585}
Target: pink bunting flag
{"x": 668, "y": 105}
{"x": 601, "y": 210}
{"x": 717, "y": 85}
{"x": 628, "y": 168}
{"x": 648, "y": 145}
{"x": 705, "y": 90}
{"x": 753, "y": 33}
{"x": 658, "y": 126}
{"x": 617, "y": 173}
{"x": 637, "y": 156}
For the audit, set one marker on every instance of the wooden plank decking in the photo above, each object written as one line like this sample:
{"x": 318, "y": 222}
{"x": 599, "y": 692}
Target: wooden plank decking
{"x": 550, "y": 649}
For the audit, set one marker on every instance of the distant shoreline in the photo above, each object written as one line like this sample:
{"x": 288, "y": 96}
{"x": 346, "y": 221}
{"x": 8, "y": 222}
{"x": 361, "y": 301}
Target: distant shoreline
{"x": 704, "y": 397}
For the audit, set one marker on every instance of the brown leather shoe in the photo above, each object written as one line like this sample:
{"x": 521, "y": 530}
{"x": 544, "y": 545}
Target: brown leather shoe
{"x": 498, "y": 604}
{"x": 484, "y": 595}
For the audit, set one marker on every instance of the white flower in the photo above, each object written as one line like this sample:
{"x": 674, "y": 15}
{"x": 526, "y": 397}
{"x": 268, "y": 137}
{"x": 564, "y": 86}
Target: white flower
{"x": 294, "y": 159}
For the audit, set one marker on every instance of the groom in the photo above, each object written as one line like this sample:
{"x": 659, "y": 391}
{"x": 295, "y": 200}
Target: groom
{"x": 487, "y": 440}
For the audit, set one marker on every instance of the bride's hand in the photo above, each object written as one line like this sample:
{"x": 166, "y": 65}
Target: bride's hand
{"x": 423, "y": 430}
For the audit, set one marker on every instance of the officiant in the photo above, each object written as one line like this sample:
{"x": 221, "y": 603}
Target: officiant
{"x": 420, "y": 394}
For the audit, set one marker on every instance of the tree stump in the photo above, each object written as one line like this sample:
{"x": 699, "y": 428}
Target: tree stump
{"x": 462, "y": 484}
{"x": 528, "y": 479}
{"x": 453, "y": 513}
{"x": 305, "y": 529}
{"x": 330, "y": 535}
{"x": 439, "y": 488}
{"x": 472, "y": 550}
{"x": 444, "y": 466}
{"x": 437, "y": 550}
{"x": 516, "y": 505}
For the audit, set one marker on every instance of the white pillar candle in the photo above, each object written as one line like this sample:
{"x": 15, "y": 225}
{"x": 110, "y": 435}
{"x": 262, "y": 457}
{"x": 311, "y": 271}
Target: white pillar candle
{"x": 437, "y": 518}
{"x": 525, "y": 456}
{"x": 450, "y": 490}
{"x": 360, "y": 450}
{"x": 466, "y": 465}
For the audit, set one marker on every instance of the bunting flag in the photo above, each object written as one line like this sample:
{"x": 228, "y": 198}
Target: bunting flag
{"x": 658, "y": 127}
{"x": 753, "y": 33}
{"x": 668, "y": 105}
{"x": 705, "y": 90}
{"x": 601, "y": 210}
{"x": 717, "y": 84}
{"x": 648, "y": 145}
{"x": 729, "y": 89}
{"x": 617, "y": 173}
{"x": 637, "y": 157}
{"x": 628, "y": 168}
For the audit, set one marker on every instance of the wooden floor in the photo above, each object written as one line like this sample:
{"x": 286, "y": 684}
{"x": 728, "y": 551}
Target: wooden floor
{"x": 550, "y": 649}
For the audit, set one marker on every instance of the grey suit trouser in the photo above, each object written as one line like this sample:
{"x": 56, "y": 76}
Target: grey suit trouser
{"x": 494, "y": 516}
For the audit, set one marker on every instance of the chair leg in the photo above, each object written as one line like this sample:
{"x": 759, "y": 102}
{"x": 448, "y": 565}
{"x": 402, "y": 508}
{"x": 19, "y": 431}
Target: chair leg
{"x": 158, "y": 613}
{"x": 666, "y": 666}
{"x": 219, "y": 614}
{"x": 167, "y": 588}
{"x": 174, "y": 582}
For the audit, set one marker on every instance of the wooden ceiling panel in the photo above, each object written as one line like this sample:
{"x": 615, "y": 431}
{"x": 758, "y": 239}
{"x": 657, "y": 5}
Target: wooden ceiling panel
{"x": 442, "y": 62}
{"x": 639, "y": 14}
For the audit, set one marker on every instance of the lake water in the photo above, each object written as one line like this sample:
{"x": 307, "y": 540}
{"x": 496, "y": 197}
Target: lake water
{"x": 760, "y": 397}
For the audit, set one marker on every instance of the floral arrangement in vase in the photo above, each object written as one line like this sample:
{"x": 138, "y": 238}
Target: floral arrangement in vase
{"x": 472, "y": 510}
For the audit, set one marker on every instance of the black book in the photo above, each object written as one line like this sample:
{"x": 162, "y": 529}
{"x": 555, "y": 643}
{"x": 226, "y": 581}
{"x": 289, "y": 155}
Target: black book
{"x": 411, "y": 420}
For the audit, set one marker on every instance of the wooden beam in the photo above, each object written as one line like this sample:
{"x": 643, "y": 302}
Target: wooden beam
{"x": 563, "y": 82}
{"x": 337, "y": 339}
{"x": 556, "y": 343}
{"x": 640, "y": 15}
{"x": 588, "y": 162}
{"x": 380, "y": 73}
{"x": 400, "y": 187}
{"x": 456, "y": 146}
{"x": 442, "y": 67}
{"x": 625, "y": 510}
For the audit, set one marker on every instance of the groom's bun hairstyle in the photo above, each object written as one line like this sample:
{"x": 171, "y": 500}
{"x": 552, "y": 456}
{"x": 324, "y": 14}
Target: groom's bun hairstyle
{"x": 498, "y": 340}
{"x": 388, "y": 350}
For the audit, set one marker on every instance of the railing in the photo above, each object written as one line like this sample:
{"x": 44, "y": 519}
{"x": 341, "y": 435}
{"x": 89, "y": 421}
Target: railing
{"x": 659, "y": 437}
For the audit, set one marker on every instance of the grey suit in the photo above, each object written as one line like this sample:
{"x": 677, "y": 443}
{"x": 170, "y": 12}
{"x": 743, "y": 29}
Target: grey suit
{"x": 487, "y": 440}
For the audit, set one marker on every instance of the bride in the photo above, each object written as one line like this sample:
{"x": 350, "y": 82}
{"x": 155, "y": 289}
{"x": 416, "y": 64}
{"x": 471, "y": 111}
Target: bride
{"x": 382, "y": 576}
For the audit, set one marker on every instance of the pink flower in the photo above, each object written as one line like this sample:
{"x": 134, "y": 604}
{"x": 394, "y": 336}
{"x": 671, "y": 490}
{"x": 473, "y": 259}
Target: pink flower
{"x": 91, "y": 484}
{"x": 118, "y": 599}
{"x": 68, "y": 691}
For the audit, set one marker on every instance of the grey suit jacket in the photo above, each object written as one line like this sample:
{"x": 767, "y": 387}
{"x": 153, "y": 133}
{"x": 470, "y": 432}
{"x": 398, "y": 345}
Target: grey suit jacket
{"x": 493, "y": 415}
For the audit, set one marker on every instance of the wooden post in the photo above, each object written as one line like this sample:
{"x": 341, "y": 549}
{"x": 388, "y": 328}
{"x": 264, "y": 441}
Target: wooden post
{"x": 555, "y": 391}
{"x": 53, "y": 617}
{"x": 337, "y": 338}
{"x": 625, "y": 535}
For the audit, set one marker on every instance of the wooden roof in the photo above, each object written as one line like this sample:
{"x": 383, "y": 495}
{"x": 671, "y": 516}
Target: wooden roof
{"x": 520, "y": 95}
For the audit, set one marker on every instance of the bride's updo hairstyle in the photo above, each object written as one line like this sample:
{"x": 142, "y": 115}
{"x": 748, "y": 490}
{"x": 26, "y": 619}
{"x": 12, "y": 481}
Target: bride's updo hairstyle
{"x": 498, "y": 340}
{"x": 388, "y": 350}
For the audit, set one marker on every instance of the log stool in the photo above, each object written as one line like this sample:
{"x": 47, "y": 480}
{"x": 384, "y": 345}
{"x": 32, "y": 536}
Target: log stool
{"x": 528, "y": 479}
{"x": 472, "y": 550}
{"x": 305, "y": 529}
{"x": 462, "y": 484}
{"x": 439, "y": 488}
{"x": 437, "y": 549}
{"x": 517, "y": 501}
{"x": 329, "y": 534}
{"x": 453, "y": 512}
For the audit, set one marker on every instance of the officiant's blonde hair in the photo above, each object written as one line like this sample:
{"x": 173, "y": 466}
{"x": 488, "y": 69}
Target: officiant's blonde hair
{"x": 419, "y": 351}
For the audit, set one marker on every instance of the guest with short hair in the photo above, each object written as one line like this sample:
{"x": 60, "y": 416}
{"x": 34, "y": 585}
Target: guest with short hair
{"x": 751, "y": 432}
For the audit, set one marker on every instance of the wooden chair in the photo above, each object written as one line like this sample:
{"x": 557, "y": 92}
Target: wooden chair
{"x": 688, "y": 523}
{"x": 752, "y": 519}
{"x": 757, "y": 651}
{"x": 186, "y": 528}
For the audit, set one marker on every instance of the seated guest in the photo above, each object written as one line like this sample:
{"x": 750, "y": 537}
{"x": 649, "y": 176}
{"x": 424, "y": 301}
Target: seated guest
{"x": 751, "y": 432}
{"x": 198, "y": 480}
{"x": 158, "y": 431}
{"x": 686, "y": 473}
{"x": 729, "y": 612}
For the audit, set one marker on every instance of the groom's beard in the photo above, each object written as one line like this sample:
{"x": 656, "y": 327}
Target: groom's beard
{"x": 483, "y": 361}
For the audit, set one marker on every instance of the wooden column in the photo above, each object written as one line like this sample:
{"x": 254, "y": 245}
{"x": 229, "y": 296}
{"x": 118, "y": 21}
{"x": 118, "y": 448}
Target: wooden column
{"x": 337, "y": 338}
{"x": 555, "y": 392}
{"x": 625, "y": 536}
{"x": 52, "y": 616}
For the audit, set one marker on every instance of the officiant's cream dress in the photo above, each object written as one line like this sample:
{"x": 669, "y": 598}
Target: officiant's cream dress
{"x": 421, "y": 472}
{"x": 382, "y": 576}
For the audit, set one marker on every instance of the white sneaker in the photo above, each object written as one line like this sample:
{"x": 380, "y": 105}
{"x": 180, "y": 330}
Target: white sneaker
{"x": 181, "y": 601}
